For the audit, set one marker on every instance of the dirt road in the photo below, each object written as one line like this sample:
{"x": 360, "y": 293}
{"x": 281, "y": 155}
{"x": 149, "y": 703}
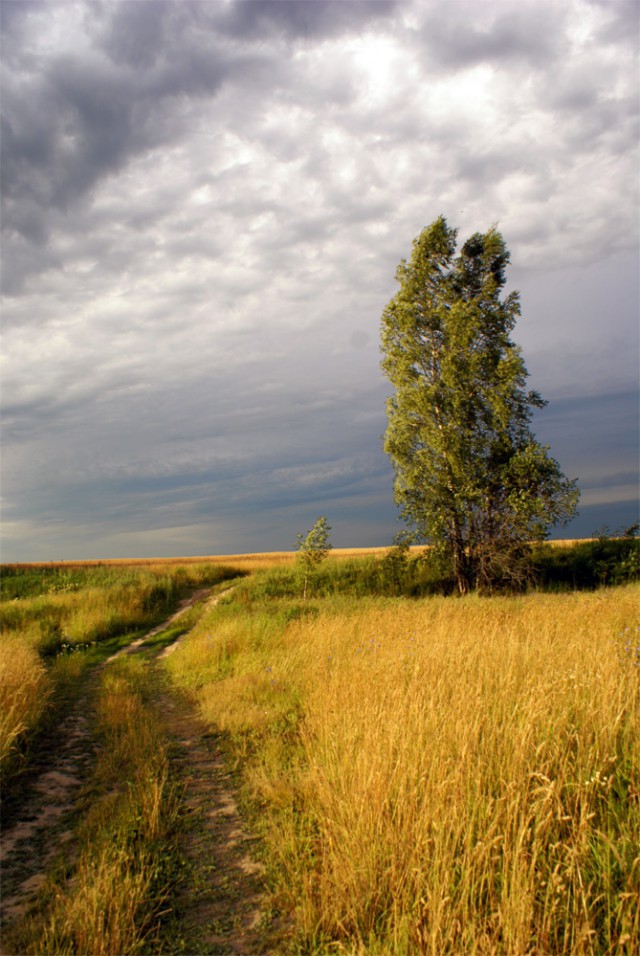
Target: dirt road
{"x": 219, "y": 900}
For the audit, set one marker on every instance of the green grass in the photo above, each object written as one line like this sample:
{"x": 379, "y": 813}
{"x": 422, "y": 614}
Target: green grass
{"x": 581, "y": 565}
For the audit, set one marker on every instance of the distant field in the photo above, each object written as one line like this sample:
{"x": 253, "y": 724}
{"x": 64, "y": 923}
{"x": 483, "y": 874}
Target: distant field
{"x": 254, "y": 560}
{"x": 270, "y": 556}
{"x": 244, "y": 562}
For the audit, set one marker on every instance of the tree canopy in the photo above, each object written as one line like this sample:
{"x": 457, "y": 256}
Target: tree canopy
{"x": 469, "y": 473}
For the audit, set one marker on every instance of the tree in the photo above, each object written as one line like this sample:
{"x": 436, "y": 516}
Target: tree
{"x": 469, "y": 474}
{"x": 313, "y": 548}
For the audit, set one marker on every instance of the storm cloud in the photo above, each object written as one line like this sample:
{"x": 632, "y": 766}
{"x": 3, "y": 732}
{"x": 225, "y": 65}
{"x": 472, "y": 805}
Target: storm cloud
{"x": 204, "y": 204}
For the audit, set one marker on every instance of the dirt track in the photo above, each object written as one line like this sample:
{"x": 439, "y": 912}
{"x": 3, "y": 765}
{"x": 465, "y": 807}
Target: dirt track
{"x": 218, "y": 905}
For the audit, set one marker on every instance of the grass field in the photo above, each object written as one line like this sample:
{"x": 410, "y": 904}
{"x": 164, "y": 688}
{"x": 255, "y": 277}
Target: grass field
{"x": 427, "y": 775}
{"x": 439, "y": 776}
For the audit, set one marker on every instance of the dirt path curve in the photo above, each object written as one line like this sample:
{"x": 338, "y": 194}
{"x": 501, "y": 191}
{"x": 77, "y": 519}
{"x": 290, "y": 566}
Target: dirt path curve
{"x": 38, "y": 829}
{"x": 222, "y": 903}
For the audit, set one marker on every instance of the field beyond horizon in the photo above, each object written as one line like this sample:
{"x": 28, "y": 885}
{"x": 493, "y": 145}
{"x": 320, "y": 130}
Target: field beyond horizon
{"x": 252, "y": 559}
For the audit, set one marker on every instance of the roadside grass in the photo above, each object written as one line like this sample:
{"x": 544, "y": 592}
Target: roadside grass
{"x": 440, "y": 776}
{"x": 24, "y": 694}
{"x": 108, "y": 903}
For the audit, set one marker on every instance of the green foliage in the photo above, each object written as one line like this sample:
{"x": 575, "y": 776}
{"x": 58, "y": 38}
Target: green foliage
{"x": 398, "y": 573}
{"x": 407, "y": 572}
{"x": 313, "y": 549}
{"x": 32, "y": 580}
{"x": 469, "y": 474}
{"x": 21, "y": 581}
{"x": 605, "y": 561}
{"x": 395, "y": 564}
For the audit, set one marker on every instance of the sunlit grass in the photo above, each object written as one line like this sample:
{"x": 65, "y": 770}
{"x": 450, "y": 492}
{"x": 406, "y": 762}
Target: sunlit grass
{"x": 86, "y": 604}
{"x": 433, "y": 776}
{"x": 441, "y": 776}
{"x": 24, "y": 693}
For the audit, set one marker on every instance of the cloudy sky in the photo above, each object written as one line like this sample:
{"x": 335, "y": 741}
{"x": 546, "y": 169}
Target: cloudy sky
{"x": 204, "y": 204}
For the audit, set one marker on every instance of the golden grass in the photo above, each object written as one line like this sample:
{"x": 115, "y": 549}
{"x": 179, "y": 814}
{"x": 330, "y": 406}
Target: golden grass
{"x": 24, "y": 693}
{"x": 100, "y": 917}
{"x": 443, "y": 776}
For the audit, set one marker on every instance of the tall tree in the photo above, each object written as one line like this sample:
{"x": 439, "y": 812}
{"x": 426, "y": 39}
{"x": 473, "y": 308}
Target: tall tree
{"x": 469, "y": 473}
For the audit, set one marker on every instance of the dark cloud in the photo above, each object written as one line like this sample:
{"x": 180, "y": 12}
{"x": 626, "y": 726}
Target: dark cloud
{"x": 14, "y": 22}
{"x": 621, "y": 21}
{"x": 135, "y": 33}
{"x": 71, "y": 120}
{"x": 526, "y": 33}
{"x": 84, "y": 120}
{"x": 308, "y": 20}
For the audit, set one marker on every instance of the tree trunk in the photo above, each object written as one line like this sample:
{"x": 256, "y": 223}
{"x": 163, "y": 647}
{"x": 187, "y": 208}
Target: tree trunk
{"x": 461, "y": 567}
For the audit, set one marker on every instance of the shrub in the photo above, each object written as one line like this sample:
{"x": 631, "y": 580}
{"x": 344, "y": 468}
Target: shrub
{"x": 604, "y": 561}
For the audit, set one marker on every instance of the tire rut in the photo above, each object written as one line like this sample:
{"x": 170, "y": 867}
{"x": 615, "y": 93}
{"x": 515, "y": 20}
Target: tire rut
{"x": 41, "y": 825}
{"x": 219, "y": 903}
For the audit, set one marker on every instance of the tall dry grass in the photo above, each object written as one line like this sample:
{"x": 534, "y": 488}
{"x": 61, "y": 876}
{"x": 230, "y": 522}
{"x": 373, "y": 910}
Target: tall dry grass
{"x": 445, "y": 776}
{"x": 25, "y": 690}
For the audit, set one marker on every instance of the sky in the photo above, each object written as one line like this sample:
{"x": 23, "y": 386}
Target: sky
{"x": 204, "y": 206}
